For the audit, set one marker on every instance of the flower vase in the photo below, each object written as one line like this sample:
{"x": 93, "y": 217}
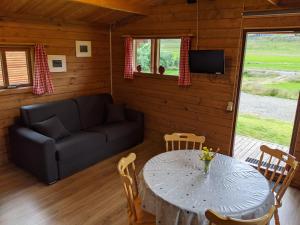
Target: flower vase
{"x": 206, "y": 166}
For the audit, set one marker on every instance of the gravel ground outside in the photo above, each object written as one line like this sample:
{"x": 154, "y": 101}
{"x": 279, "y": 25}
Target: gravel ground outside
{"x": 268, "y": 107}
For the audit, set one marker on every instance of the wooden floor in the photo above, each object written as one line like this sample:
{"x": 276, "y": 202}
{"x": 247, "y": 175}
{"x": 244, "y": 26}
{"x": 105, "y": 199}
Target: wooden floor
{"x": 245, "y": 147}
{"x": 91, "y": 197}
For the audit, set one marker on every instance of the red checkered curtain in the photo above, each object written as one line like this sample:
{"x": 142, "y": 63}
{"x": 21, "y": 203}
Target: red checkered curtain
{"x": 128, "y": 70}
{"x": 184, "y": 70}
{"x": 42, "y": 83}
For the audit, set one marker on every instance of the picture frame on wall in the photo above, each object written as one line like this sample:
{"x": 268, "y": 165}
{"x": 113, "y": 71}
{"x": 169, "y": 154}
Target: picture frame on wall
{"x": 57, "y": 63}
{"x": 83, "y": 49}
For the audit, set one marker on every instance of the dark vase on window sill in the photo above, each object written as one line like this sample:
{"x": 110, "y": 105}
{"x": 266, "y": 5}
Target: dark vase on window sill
{"x": 139, "y": 68}
{"x": 161, "y": 70}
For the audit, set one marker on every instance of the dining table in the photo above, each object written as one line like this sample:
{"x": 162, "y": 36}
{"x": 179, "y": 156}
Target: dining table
{"x": 174, "y": 188}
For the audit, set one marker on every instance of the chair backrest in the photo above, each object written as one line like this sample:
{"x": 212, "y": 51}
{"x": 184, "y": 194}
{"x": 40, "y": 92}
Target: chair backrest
{"x": 281, "y": 173}
{"x": 178, "y": 141}
{"x": 126, "y": 168}
{"x": 216, "y": 219}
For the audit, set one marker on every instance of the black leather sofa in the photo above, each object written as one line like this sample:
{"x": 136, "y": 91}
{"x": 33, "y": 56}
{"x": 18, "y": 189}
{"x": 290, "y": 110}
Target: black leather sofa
{"x": 90, "y": 139}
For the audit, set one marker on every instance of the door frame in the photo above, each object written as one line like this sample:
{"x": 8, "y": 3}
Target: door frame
{"x": 239, "y": 80}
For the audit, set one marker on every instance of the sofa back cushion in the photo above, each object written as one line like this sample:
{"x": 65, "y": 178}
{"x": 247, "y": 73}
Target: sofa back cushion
{"x": 66, "y": 111}
{"x": 115, "y": 113}
{"x": 92, "y": 109}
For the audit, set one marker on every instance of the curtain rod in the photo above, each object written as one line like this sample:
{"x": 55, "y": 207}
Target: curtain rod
{"x": 19, "y": 44}
{"x": 159, "y": 36}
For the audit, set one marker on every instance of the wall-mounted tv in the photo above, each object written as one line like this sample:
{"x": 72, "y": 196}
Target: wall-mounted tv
{"x": 207, "y": 61}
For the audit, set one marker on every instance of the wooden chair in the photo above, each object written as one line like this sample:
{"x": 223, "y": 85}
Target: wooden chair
{"x": 216, "y": 219}
{"x": 281, "y": 174}
{"x": 180, "y": 141}
{"x": 136, "y": 215}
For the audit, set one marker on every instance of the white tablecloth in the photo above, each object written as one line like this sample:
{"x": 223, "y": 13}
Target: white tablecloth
{"x": 173, "y": 187}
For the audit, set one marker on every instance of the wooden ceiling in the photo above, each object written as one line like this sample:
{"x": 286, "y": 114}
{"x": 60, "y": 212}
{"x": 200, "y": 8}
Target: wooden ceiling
{"x": 272, "y": 5}
{"x": 76, "y": 11}
{"x": 101, "y": 12}
{"x": 286, "y": 3}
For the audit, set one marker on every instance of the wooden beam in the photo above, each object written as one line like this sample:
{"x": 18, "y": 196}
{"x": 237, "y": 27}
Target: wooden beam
{"x": 280, "y": 12}
{"x": 119, "y": 5}
{"x": 160, "y": 36}
{"x": 274, "y": 2}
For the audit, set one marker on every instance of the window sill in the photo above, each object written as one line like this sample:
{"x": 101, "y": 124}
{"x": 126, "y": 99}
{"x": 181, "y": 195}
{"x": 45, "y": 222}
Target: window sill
{"x": 17, "y": 90}
{"x": 156, "y": 76}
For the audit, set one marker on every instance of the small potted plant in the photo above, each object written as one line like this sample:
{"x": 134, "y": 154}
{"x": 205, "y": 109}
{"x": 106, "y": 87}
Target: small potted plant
{"x": 207, "y": 156}
{"x": 161, "y": 70}
{"x": 139, "y": 68}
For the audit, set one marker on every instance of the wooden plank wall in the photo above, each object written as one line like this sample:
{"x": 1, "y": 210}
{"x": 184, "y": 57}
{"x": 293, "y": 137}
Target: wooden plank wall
{"x": 85, "y": 75}
{"x": 200, "y": 108}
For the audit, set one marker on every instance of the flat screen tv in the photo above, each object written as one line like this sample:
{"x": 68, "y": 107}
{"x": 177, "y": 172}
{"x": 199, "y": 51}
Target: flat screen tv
{"x": 207, "y": 61}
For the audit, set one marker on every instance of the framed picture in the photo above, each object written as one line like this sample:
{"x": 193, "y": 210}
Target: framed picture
{"x": 57, "y": 63}
{"x": 83, "y": 49}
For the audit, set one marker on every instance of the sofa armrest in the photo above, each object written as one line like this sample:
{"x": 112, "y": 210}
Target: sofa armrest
{"x": 34, "y": 152}
{"x": 133, "y": 115}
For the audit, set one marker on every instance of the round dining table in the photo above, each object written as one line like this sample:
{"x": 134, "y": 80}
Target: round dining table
{"x": 174, "y": 188}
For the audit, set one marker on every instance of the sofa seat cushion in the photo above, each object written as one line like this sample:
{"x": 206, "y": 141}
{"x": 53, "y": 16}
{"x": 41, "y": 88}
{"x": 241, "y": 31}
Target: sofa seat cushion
{"x": 79, "y": 144}
{"x": 115, "y": 131}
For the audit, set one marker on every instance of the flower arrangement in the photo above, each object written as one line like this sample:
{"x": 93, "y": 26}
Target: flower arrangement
{"x": 207, "y": 156}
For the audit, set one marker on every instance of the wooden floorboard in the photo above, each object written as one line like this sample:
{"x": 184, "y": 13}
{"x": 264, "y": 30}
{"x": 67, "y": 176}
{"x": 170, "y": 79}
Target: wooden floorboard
{"x": 245, "y": 147}
{"x": 91, "y": 197}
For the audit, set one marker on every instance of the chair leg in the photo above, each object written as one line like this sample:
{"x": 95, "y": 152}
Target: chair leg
{"x": 276, "y": 217}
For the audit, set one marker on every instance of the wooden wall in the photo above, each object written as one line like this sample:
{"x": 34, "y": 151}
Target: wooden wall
{"x": 200, "y": 108}
{"x": 84, "y": 75}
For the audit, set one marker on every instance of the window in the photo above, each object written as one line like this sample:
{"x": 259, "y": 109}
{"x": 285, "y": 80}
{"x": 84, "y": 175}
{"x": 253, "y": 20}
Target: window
{"x": 143, "y": 55}
{"x": 151, "y": 54}
{"x": 15, "y": 67}
{"x": 169, "y": 55}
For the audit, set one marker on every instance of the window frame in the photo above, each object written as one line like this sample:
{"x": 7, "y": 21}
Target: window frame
{"x": 29, "y": 60}
{"x": 152, "y": 67}
{"x": 155, "y": 57}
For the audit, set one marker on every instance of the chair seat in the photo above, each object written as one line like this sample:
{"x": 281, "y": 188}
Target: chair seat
{"x": 142, "y": 216}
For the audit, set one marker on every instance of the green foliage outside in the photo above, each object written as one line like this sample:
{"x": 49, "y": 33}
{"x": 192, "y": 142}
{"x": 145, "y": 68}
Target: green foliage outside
{"x": 274, "y": 131}
{"x": 291, "y": 86}
{"x": 169, "y": 56}
{"x": 143, "y": 56}
{"x": 270, "y": 84}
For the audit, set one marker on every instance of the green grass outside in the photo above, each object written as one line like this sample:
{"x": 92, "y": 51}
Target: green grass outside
{"x": 271, "y": 61}
{"x": 273, "y": 52}
{"x": 271, "y": 130}
{"x": 171, "y": 72}
{"x": 264, "y": 85}
{"x": 290, "y": 86}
